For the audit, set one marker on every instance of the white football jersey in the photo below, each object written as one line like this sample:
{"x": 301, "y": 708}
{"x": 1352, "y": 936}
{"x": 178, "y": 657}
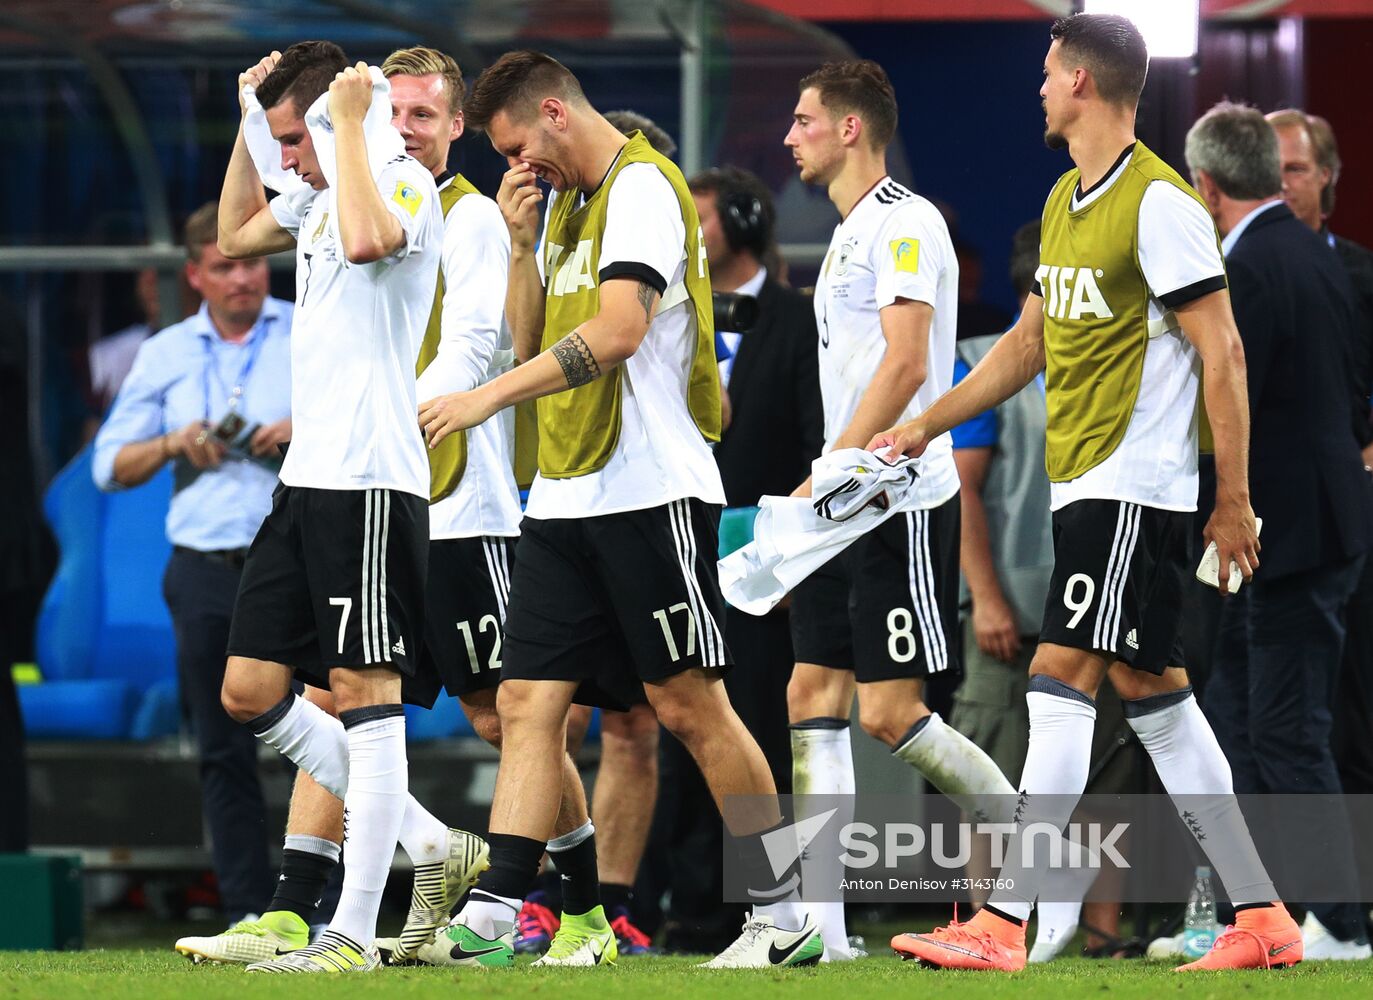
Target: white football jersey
{"x": 893, "y": 245}
{"x": 474, "y": 347}
{"x": 355, "y": 338}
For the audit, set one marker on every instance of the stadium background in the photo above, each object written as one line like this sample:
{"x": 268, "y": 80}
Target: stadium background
{"x": 118, "y": 117}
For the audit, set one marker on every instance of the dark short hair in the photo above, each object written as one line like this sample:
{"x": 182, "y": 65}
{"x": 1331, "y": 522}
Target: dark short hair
{"x": 1025, "y": 257}
{"x": 516, "y": 82}
{"x": 1238, "y": 149}
{"x": 202, "y": 227}
{"x": 303, "y": 73}
{"x": 858, "y": 87}
{"x": 1111, "y": 48}
{"x": 734, "y": 185}
{"x": 628, "y": 121}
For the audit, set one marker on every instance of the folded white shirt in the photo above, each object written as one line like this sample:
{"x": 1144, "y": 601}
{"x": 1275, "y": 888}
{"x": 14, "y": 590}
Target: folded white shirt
{"x": 853, "y": 491}
{"x": 384, "y": 143}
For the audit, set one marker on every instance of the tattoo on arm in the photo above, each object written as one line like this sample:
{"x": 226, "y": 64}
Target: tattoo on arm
{"x": 578, "y": 363}
{"x": 647, "y": 295}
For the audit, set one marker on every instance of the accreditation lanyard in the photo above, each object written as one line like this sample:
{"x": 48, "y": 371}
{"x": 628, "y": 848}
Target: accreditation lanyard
{"x": 254, "y": 348}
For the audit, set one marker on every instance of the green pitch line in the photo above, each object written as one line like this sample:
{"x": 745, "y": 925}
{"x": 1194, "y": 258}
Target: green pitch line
{"x": 164, "y": 975}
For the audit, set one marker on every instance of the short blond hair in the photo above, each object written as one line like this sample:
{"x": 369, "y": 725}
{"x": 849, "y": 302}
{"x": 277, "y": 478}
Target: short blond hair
{"x": 422, "y": 61}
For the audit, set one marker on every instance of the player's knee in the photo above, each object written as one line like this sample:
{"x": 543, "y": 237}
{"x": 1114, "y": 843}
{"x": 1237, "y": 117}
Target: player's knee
{"x": 800, "y": 697}
{"x": 578, "y": 722}
{"x": 679, "y": 718}
{"x": 635, "y": 731}
{"x": 812, "y": 693}
{"x": 322, "y": 698}
{"x": 486, "y": 723}
{"x": 522, "y": 710}
{"x": 241, "y": 703}
{"x": 1133, "y": 685}
{"x": 882, "y": 722}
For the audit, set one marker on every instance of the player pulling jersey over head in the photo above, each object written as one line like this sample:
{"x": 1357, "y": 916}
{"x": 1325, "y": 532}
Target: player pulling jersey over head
{"x": 333, "y": 583}
{"x": 1131, "y": 303}
{"x": 883, "y": 613}
{"x": 614, "y": 581}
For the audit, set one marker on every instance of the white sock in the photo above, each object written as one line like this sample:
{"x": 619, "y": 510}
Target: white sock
{"x": 1190, "y": 763}
{"x": 822, "y": 764}
{"x": 960, "y": 769}
{"x": 1056, "y": 922}
{"x": 789, "y": 914}
{"x": 316, "y": 743}
{"x": 490, "y": 915}
{"x": 424, "y": 838}
{"x": 373, "y": 810}
{"x": 310, "y": 738}
{"x": 1057, "y": 763}
{"x": 313, "y": 845}
{"x": 571, "y": 839}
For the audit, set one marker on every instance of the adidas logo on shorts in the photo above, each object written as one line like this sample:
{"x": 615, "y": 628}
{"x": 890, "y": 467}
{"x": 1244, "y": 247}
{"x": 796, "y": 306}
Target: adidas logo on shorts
{"x": 1131, "y": 640}
{"x": 399, "y": 647}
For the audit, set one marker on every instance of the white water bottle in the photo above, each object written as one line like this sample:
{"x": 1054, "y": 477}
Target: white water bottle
{"x": 1199, "y": 927}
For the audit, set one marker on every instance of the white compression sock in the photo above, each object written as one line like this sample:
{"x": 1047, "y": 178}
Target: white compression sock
{"x": 423, "y": 837}
{"x": 967, "y": 775}
{"x": 572, "y": 838}
{"x": 1057, "y": 763}
{"x": 373, "y": 809}
{"x": 789, "y": 914}
{"x": 313, "y": 845}
{"x": 822, "y": 764}
{"x": 310, "y": 738}
{"x": 316, "y": 743}
{"x": 959, "y": 768}
{"x": 1190, "y": 763}
{"x": 490, "y": 915}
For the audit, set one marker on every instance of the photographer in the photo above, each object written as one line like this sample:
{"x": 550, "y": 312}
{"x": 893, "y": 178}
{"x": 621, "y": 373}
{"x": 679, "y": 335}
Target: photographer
{"x": 212, "y": 395}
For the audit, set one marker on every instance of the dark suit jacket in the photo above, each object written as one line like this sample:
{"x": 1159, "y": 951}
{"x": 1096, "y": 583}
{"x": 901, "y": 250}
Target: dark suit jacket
{"x": 778, "y": 425}
{"x": 1358, "y": 264}
{"x": 1295, "y": 310}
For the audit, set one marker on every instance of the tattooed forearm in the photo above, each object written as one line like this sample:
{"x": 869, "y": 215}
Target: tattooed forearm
{"x": 578, "y": 363}
{"x": 647, "y": 296}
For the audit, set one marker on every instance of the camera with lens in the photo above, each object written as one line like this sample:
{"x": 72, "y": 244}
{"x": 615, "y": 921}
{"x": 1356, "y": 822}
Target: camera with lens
{"x": 733, "y": 312}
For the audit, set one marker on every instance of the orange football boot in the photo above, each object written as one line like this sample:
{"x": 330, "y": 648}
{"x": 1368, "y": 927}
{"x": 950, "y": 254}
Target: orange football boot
{"x": 1265, "y": 937}
{"x": 984, "y": 942}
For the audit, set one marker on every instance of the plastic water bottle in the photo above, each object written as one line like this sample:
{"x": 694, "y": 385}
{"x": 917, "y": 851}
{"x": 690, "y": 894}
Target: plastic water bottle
{"x": 1199, "y": 927}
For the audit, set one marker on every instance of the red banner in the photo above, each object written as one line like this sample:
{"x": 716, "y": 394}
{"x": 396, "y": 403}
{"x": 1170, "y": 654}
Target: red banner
{"x": 1033, "y": 10}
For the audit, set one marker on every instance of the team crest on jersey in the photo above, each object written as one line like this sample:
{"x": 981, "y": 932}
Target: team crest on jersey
{"x": 842, "y": 258}
{"x": 407, "y": 197}
{"x": 1072, "y": 292}
{"x": 906, "y": 253}
{"x": 319, "y": 230}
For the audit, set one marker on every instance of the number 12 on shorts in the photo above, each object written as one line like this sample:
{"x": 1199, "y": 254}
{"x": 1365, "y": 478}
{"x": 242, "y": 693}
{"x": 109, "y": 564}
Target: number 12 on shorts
{"x": 487, "y": 623}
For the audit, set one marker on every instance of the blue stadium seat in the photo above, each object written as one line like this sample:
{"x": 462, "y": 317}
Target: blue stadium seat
{"x": 104, "y": 638}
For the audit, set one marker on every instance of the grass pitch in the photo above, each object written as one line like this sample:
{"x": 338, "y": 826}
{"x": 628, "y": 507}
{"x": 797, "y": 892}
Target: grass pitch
{"x": 161, "y": 974}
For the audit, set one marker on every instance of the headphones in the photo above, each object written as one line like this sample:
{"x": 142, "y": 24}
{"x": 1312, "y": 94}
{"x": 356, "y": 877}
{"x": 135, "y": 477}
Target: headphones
{"x": 743, "y": 222}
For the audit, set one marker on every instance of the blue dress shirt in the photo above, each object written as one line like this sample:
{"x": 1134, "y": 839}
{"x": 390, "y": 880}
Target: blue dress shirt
{"x": 187, "y": 373}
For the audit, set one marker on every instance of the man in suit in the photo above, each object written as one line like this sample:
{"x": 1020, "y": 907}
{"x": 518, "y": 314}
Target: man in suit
{"x": 1310, "y": 170}
{"x": 773, "y": 385}
{"x": 1280, "y": 640}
